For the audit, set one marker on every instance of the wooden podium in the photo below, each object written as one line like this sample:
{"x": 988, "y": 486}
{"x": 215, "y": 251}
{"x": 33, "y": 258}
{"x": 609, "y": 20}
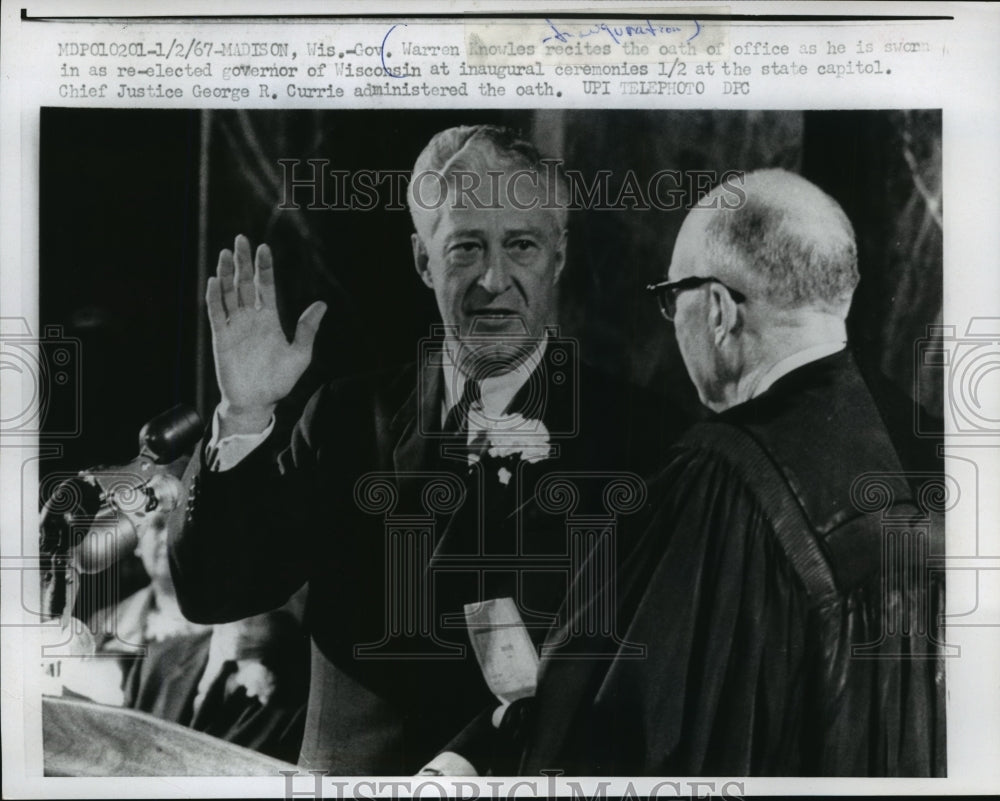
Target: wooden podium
{"x": 81, "y": 738}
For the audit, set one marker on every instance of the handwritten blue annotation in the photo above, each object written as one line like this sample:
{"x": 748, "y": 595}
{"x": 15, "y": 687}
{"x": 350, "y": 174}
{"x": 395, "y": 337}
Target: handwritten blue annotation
{"x": 617, "y": 32}
{"x": 389, "y": 73}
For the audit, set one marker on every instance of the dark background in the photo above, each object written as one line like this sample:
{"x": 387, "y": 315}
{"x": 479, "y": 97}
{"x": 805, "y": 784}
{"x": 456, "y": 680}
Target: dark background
{"x": 135, "y": 203}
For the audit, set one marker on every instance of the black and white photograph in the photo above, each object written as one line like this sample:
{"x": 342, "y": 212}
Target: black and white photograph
{"x": 655, "y": 550}
{"x": 452, "y": 442}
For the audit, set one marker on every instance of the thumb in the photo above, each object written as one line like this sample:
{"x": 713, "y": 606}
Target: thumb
{"x": 308, "y": 325}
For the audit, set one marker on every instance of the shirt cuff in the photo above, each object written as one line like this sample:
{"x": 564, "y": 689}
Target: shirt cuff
{"x": 224, "y": 454}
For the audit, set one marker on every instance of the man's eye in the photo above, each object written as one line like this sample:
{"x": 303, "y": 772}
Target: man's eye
{"x": 523, "y": 244}
{"x": 465, "y": 248}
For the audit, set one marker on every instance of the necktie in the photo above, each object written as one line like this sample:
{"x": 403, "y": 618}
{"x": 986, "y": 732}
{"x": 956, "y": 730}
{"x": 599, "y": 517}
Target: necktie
{"x": 457, "y": 421}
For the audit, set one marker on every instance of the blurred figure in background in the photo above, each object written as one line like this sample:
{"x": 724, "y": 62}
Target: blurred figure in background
{"x": 244, "y": 682}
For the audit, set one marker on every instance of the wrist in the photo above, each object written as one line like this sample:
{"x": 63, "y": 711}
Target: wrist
{"x": 243, "y": 420}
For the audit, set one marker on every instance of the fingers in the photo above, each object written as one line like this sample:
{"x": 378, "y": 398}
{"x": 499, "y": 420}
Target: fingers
{"x": 226, "y": 273}
{"x": 264, "y": 278}
{"x": 213, "y": 299}
{"x": 239, "y": 285}
{"x": 245, "y": 290}
{"x": 307, "y": 326}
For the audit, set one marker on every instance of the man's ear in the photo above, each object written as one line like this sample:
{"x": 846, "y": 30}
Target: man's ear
{"x": 420, "y": 260}
{"x": 723, "y": 312}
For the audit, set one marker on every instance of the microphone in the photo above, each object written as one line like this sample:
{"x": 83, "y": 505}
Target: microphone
{"x": 171, "y": 434}
{"x": 94, "y": 519}
{"x": 114, "y": 529}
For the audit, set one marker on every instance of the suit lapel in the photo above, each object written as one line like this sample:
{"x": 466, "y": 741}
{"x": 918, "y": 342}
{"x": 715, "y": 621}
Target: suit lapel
{"x": 417, "y": 423}
{"x": 180, "y": 684}
{"x": 551, "y": 395}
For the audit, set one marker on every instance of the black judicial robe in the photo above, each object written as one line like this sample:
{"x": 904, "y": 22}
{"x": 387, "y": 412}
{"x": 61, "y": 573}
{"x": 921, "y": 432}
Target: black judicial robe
{"x": 256, "y": 533}
{"x": 749, "y": 668}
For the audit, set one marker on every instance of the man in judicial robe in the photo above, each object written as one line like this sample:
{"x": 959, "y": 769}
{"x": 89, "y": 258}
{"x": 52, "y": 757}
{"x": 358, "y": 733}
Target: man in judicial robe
{"x": 777, "y": 583}
{"x": 408, "y": 494}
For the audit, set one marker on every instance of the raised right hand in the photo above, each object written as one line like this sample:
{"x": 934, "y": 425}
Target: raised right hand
{"x": 255, "y": 365}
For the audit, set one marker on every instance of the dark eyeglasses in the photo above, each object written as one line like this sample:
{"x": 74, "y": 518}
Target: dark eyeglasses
{"x": 666, "y": 292}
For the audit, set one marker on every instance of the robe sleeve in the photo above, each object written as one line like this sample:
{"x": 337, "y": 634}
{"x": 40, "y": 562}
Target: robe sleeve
{"x": 743, "y": 673}
{"x": 725, "y": 624}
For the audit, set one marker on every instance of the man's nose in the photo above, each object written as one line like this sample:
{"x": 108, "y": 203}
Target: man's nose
{"x": 496, "y": 279}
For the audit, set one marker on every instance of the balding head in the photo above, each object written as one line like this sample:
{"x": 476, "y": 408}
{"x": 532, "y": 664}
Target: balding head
{"x": 789, "y": 242}
{"x": 768, "y": 279}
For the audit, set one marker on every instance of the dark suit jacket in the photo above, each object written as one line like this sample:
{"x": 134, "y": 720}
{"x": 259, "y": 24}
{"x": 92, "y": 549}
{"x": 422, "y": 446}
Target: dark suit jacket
{"x": 165, "y": 683}
{"x": 771, "y": 649}
{"x": 256, "y": 533}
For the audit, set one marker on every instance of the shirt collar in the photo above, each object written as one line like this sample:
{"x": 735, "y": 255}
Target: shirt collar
{"x": 497, "y": 391}
{"x": 794, "y": 361}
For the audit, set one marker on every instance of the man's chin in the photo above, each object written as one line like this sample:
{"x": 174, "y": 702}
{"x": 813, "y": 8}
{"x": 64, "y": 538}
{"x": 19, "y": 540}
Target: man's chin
{"x": 512, "y": 326}
{"x": 483, "y": 359}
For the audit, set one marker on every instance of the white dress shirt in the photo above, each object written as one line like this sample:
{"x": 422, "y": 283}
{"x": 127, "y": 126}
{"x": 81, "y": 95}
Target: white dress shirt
{"x": 497, "y": 393}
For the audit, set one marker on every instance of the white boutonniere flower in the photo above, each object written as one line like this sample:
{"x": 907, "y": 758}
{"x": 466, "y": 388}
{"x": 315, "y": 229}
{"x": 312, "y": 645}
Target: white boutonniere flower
{"x": 257, "y": 679}
{"x": 513, "y": 437}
